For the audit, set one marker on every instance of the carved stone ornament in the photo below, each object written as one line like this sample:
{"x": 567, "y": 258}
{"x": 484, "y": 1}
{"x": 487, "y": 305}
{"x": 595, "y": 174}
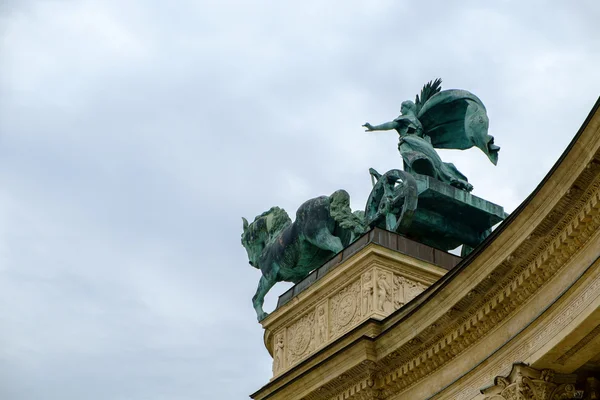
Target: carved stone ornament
{"x": 345, "y": 308}
{"x": 322, "y": 324}
{"x": 279, "y": 353}
{"x": 367, "y": 293}
{"x": 399, "y": 297}
{"x": 412, "y": 289}
{"x": 374, "y": 293}
{"x": 384, "y": 292}
{"x": 405, "y": 290}
{"x": 526, "y": 383}
{"x": 300, "y": 337}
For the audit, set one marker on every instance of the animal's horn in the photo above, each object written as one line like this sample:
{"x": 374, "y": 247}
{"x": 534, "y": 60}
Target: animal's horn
{"x": 245, "y": 223}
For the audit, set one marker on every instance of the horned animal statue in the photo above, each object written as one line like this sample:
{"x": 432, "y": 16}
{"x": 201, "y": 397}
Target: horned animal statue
{"x": 286, "y": 251}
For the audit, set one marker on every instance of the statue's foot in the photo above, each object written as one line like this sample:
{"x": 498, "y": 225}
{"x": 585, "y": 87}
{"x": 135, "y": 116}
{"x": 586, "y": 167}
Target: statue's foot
{"x": 262, "y": 315}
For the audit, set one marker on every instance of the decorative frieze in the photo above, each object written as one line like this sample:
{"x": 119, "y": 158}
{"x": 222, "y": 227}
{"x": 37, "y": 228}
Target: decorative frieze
{"x": 345, "y": 308}
{"x": 405, "y": 290}
{"x": 384, "y": 298}
{"x": 372, "y": 292}
{"x": 515, "y": 289}
{"x": 279, "y": 353}
{"x": 368, "y": 293}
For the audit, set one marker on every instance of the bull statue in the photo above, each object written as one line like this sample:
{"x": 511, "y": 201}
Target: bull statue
{"x": 288, "y": 251}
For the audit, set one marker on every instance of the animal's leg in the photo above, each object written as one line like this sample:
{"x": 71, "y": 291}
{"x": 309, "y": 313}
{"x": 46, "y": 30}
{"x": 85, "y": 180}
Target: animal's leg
{"x": 264, "y": 285}
{"x": 326, "y": 241}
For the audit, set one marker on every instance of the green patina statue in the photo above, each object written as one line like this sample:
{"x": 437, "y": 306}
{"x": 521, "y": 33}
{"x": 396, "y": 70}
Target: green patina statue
{"x": 429, "y": 201}
{"x": 286, "y": 251}
{"x": 449, "y": 119}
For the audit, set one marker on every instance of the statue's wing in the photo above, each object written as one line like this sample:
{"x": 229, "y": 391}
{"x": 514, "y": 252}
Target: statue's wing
{"x": 457, "y": 119}
{"x": 429, "y": 90}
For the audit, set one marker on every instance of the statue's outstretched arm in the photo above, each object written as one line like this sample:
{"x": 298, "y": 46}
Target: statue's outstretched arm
{"x": 383, "y": 127}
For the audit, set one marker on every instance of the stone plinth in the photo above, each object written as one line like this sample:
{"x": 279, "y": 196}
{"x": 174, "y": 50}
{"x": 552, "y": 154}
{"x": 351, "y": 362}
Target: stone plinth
{"x": 371, "y": 281}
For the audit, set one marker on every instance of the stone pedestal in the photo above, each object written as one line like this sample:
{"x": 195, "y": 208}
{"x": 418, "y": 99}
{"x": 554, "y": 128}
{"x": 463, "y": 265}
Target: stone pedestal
{"x": 376, "y": 276}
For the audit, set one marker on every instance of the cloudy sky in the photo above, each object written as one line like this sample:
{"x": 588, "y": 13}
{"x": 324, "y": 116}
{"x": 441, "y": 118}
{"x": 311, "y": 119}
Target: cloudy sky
{"x": 135, "y": 134}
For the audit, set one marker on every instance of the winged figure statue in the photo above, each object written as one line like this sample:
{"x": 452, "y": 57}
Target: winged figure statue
{"x": 449, "y": 119}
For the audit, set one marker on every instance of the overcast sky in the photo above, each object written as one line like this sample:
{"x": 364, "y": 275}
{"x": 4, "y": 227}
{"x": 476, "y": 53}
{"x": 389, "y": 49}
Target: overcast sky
{"x": 135, "y": 134}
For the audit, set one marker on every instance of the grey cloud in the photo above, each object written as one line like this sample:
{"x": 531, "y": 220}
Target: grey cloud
{"x": 134, "y": 135}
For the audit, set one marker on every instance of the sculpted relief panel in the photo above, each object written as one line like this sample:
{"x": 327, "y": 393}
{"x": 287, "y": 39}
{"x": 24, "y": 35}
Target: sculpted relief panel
{"x": 345, "y": 309}
{"x": 322, "y": 318}
{"x": 279, "y": 353}
{"x": 375, "y": 293}
{"x": 301, "y": 338}
{"x": 368, "y": 293}
{"x": 385, "y": 281}
{"x": 384, "y": 292}
{"x": 405, "y": 290}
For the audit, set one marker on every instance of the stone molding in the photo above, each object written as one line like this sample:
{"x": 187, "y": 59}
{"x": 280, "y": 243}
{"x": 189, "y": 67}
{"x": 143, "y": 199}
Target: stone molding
{"x": 519, "y": 285}
{"x": 372, "y": 289}
{"x": 558, "y": 320}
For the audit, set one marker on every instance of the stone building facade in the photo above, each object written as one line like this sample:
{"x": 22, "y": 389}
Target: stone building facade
{"x": 519, "y": 318}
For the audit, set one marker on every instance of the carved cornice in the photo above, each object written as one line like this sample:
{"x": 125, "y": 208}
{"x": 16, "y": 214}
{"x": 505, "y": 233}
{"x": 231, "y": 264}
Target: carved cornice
{"x": 524, "y": 274}
{"x": 558, "y": 320}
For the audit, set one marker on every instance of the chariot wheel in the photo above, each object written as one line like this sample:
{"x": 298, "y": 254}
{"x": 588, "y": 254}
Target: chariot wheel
{"x": 393, "y": 201}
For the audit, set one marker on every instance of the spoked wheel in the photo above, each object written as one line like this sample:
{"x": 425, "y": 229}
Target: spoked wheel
{"x": 392, "y": 201}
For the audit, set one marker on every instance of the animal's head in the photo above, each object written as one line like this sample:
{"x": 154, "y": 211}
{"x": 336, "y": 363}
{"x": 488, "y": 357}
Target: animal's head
{"x": 257, "y": 234}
